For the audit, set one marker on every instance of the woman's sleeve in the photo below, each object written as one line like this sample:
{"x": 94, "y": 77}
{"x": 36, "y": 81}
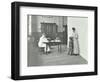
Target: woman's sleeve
{"x": 76, "y": 36}
{"x": 45, "y": 40}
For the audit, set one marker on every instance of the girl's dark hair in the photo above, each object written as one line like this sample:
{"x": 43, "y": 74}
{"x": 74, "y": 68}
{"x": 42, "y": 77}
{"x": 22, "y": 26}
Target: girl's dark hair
{"x": 73, "y": 28}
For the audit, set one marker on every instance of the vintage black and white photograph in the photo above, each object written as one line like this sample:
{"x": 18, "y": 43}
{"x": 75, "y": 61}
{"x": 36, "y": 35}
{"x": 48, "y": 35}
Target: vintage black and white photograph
{"x": 53, "y": 40}
{"x": 57, "y": 40}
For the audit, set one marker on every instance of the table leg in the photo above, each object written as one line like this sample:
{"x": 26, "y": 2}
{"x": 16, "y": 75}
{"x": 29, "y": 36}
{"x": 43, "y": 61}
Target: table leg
{"x": 46, "y": 50}
{"x": 60, "y": 47}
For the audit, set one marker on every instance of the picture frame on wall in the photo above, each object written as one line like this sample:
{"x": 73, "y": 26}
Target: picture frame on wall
{"x": 53, "y": 40}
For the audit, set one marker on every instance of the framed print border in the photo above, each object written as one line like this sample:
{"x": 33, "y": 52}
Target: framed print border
{"x": 15, "y": 40}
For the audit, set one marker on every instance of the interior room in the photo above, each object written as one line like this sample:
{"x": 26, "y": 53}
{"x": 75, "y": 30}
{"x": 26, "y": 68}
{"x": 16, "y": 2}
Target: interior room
{"x": 57, "y": 30}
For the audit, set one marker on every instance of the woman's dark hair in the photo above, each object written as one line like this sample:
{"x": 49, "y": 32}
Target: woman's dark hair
{"x": 73, "y": 28}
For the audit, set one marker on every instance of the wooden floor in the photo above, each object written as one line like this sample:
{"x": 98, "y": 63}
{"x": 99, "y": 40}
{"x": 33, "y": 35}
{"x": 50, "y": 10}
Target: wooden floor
{"x": 36, "y": 58}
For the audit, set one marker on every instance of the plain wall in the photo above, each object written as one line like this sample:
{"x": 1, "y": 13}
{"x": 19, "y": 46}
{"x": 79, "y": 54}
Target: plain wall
{"x": 81, "y": 25}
